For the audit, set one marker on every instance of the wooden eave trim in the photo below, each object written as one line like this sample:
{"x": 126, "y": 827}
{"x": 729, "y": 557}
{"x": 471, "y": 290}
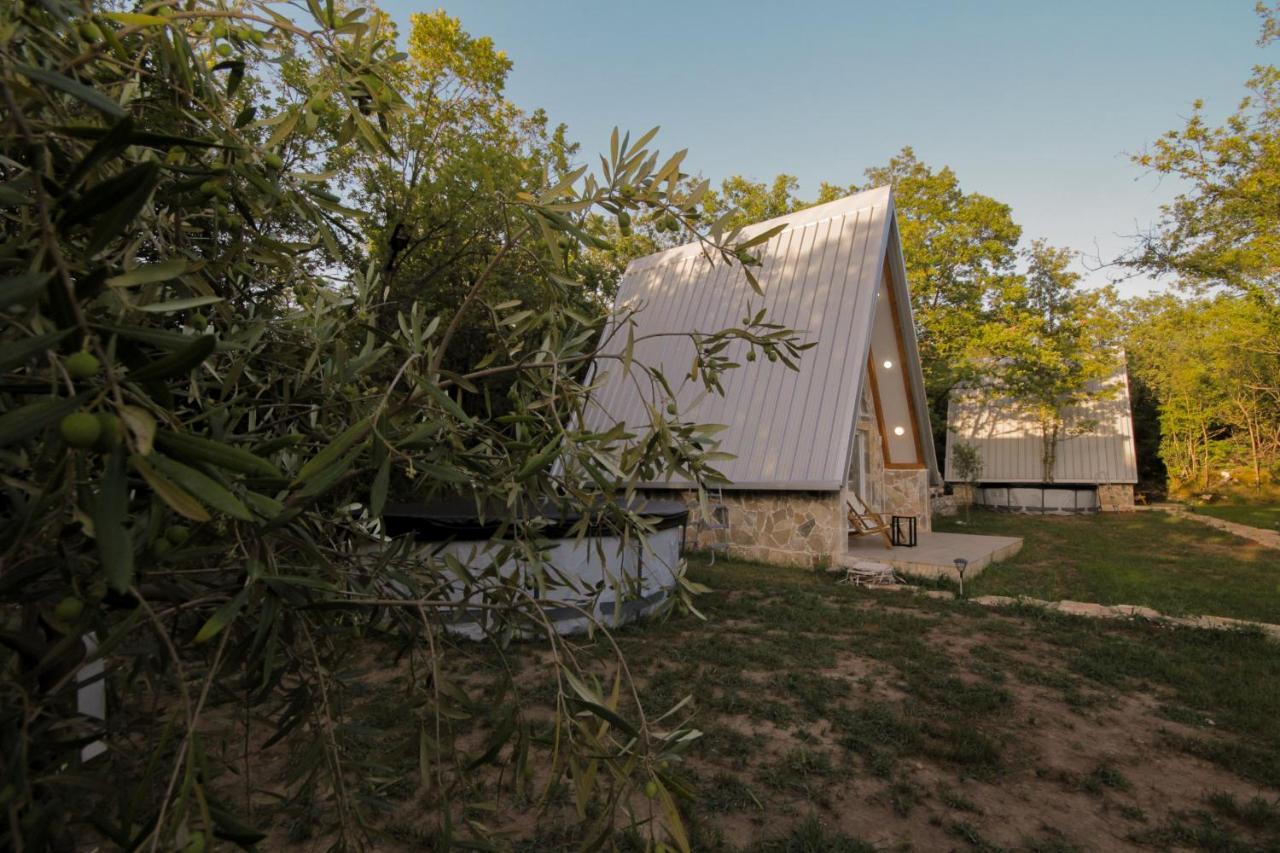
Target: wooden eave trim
{"x": 902, "y": 369}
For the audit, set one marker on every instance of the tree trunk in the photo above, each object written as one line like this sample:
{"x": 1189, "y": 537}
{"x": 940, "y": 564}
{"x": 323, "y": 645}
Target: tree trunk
{"x": 1255, "y": 450}
{"x": 1050, "y": 429}
{"x": 1257, "y": 454}
{"x": 1204, "y": 468}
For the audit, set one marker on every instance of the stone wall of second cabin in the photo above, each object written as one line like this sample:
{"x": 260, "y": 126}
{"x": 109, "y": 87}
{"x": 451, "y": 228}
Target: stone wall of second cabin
{"x": 1115, "y": 497}
{"x": 783, "y": 527}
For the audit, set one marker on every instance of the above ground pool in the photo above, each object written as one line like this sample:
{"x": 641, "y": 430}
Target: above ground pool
{"x": 598, "y": 576}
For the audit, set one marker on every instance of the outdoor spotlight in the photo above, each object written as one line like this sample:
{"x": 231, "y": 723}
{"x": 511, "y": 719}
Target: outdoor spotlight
{"x": 961, "y": 565}
{"x": 898, "y": 430}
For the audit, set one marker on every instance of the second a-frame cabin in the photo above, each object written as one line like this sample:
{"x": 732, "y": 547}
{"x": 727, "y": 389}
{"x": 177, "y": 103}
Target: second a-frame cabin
{"x": 1094, "y": 464}
{"x": 851, "y": 427}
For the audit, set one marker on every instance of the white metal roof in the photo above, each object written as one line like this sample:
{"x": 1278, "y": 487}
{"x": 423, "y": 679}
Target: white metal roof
{"x": 1098, "y": 447}
{"x": 788, "y": 429}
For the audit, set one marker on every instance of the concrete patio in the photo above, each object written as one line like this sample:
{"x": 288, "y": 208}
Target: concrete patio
{"x": 935, "y": 553}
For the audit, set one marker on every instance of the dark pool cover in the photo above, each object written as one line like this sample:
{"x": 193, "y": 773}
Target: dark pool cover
{"x": 458, "y": 518}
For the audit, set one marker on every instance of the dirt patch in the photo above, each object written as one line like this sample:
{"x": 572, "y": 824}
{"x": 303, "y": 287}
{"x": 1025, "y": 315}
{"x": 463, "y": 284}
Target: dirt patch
{"x": 1094, "y": 774}
{"x": 907, "y": 725}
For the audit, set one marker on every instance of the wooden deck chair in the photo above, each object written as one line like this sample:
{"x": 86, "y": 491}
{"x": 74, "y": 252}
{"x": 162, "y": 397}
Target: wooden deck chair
{"x": 867, "y": 522}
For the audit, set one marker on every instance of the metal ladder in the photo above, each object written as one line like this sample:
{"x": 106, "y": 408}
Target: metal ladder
{"x": 719, "y": 520}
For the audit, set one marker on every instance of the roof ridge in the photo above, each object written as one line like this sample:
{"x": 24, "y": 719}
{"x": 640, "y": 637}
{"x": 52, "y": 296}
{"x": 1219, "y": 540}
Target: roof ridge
{"x": 814, "y": 215}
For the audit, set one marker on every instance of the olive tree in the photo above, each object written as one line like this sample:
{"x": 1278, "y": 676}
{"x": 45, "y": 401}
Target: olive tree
{"x": 202, "y": 417}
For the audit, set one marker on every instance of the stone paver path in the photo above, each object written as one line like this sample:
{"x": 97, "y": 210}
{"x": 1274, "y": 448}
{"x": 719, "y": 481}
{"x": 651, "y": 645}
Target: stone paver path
{"x": 1107, "y": 611}
{"x": 1260, "y": 535}
{"x": 1130, "y": 611}
{"x": 1100, "y": 611}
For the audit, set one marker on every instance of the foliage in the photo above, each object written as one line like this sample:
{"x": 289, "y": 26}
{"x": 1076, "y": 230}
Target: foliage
{"x": 1225, "y": 228}
{"x": 435, "y": 205}
{"x": 1270, "y": 22}
{"x": 1211, "y": 364}
{"x": 1210, "y": 360}
{"x": 212, "y": 388}
{"x": 1053, "y": 348}
{"x": 961, "y": 255}
{"x": 755, "y": 201}
{"x": 966, "y": 461}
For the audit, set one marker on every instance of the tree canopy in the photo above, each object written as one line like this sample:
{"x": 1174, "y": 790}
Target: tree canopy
{"x": 1208, "y": 357}
{"x": 1224, "y": 229}
{"x": 1212, "y": 365}
{"x": 1053, "y": 346}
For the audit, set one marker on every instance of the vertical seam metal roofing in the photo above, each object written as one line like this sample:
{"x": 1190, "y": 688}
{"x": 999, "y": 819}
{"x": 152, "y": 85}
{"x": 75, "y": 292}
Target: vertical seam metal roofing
{"x": 1099, "y": 446}
{"x": 788, "y": 429}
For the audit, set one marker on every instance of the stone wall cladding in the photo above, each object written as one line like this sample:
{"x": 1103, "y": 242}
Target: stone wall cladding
{"x": 906, "y": 492}
{"x": 803, "y": 528}
{"x": 1115, "y": 497}
{"x": 893, "y": 491}
{"x": 787, "y": 528}
{"x": 810, "y": 528}
{"x": 875, "y": 472}
{"x": 944, "y": 505}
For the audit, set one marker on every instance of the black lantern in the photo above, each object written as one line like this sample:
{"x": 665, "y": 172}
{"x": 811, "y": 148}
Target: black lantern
{"x": 902, "y": 530}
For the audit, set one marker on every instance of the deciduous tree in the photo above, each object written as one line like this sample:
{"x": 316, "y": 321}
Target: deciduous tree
{"x": 1051, "y": 348}
{"x": 1224, "y": 229}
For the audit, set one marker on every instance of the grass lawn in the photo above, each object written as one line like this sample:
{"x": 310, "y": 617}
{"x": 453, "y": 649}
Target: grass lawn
{"x": 1153, "y": 559}
{"x": 1266, "y": 516}
{"x": 839, "y": 719}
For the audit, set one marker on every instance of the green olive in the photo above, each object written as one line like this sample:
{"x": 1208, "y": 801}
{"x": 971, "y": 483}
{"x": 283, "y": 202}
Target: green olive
{"x": 80, "y": 429}
{"x": 68, "y": 610}
{"x": 82, "y": 365}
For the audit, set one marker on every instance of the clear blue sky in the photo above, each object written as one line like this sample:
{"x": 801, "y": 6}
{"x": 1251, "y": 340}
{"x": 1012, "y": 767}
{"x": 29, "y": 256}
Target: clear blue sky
{"x": 1034, "y": 103}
